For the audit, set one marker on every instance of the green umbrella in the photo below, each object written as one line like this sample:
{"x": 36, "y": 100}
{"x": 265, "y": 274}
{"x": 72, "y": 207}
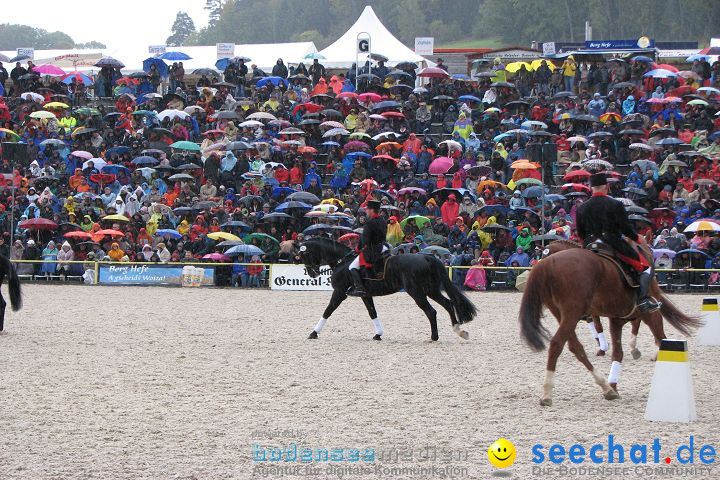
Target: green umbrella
{"x": 528, "y": 181}
{"x": 185, "y": 145}
{"x": 261, "y": 237}
{"x": 87, "y": 111}
{"x": 420, "y": 221}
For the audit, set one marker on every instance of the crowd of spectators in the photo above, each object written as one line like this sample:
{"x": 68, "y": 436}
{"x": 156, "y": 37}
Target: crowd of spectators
{"x": 460, "y": 163}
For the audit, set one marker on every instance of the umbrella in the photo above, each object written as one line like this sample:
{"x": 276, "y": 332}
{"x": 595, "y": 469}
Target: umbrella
{"x": 261, "y": 237}
{"x": 305, "y": 197}
{"x": 420, "y": 221}
{"x": 244, "y": 250}
{"x": 532, "y": 192}
{"x": 171, "y": 114}
{"x": 52, "y": 141}
{"x": 586, "y": 118}
{"x": 435, "y": 250}
{"x": 669, "y": 141}
{"x": 692, "y": 251}
{"x": 703, "y": 226}
{"x": 698, "y": 102}
{"x": 335, "y": 131}
{"x": 56, "y": 105}
{"x": 116, "y": 218}
{"x": 185, "y": 145}
{"x": 145, "y": 160}
{"x": 181, "y": 176}
{"x": 406, "y": 190}
{"x": 111, "y": 232}
{"x": 529, "y": 181}
{"x": 102, "y": 178}
{"x": 641, "y": 146}
{"x": 645, "y": 164}
{"x": 38, "y": 224}
{"x": 109, "y": 62}
{"x": 433, "y": 72}
{"x": 42, "y": 114}
{"x": 275, "y": 81}
{"x": 217, "y": 257}
{"x": 175, "y": 56}
{"x": 660, "y": 73}
{"x": 78, "y": 235}
{"x": 169, "y": 233}
{"x": 293, "y": 205}
{"x": 597, "y": 164}
{"x": 223, "y": 236}
{"x": 440, "y": 165}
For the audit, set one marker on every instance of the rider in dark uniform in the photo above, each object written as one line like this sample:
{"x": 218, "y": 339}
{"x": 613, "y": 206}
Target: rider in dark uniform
{"x": 604, "y": 218}
{"x": 372, "y": 244}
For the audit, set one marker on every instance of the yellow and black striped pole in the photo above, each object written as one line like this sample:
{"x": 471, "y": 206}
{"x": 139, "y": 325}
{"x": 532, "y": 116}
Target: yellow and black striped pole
{"x": 709, "y": 333}
{"x": 672, "y": 396}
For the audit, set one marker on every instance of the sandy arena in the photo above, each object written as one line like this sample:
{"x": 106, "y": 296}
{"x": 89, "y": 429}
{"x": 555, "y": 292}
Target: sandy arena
{"x": 115, "y": 383}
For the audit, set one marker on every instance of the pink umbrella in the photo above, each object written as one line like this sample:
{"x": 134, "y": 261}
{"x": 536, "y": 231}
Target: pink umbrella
{"x": 433, "y": 72}
{"x": 356, "y": 144}
{"x": 48, "y": 69}
{"x": 440, "y": 165}
{"x": 656, "y": 100}
{"x": 405, "y": 190}
{"x": 82, "y": 154}
{"x": 217, "y": 257}
{"x": 665, "y": 66}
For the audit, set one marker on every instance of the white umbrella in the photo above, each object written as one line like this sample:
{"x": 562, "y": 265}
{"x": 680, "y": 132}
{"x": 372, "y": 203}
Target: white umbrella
{"x": 172, "y": 115}
{"x": 703, "y": 226}
{"x": 641, "y": 146}
{"x": 32, "y": 96}
{"x": 250, "y": 124}
{"x": 192, "y": 109}
{"x": 98, "y": 162}
{"x": 261, "y": 115}
{"x": 335, "y": 131}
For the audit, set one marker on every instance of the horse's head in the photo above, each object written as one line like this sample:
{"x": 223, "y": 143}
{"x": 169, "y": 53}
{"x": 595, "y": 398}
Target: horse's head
{"x": 311, "y": 256}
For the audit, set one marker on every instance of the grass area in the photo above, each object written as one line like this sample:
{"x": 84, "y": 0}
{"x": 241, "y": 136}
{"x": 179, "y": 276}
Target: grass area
{"x": 492, "y": 42}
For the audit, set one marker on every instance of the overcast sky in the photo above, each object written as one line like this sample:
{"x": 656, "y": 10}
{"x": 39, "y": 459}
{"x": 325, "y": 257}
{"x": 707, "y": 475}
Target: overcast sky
{"x": 130, "y": 22}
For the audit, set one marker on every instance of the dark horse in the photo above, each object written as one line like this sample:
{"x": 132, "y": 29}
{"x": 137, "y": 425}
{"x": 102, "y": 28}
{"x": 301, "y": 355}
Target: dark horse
{"x": 575, "y": 283}
{"x": 421, "y": 276}
{"x": 7, "y": 268}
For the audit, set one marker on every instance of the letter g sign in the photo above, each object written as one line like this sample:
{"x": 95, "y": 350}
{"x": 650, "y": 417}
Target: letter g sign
{"x": 363, "y": 45}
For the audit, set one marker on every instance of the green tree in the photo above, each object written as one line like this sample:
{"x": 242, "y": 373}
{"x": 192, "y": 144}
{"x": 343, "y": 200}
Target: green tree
{"x": 91, "y": 44}
{"x": 182, "y": 28}
{"x": 214, "y": 8}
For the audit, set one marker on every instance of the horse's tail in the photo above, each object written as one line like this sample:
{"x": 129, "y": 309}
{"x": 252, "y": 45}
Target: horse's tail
{"x": 464, "y": 309}
{"x": 13, "y": 284}
{"x": 683, "y": 323}
{"x": 531, "y": 310}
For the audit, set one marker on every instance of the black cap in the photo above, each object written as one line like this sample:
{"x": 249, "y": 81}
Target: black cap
{"x": 374, "y": 205}
{"x": 598, "y": 179}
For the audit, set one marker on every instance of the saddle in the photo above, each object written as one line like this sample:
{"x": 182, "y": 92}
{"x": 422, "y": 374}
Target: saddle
{"x": 377, "y": 272}
{"x": 608, "y": 253}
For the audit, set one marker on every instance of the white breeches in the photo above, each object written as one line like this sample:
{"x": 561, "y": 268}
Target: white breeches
{"x": 356, "y": 263}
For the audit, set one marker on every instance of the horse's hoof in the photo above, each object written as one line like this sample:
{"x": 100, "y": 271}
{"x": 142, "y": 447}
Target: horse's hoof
{"x": 546, "y": 402}
{"x": 313, "y": 335}
{"x": 613, "y": 386}
{"x": 464, "y": 335}
{"x": 636, "y": 354}
{"x": 600, "y": 353}
{"x": 377, "y": 337}
{"x": 434, "y": 338}
{"x": 612, "y": 395}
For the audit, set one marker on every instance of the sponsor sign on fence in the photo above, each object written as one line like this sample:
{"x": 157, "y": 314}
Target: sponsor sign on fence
{"x": 148, "y": 275}
{"x": 295, "y": 277}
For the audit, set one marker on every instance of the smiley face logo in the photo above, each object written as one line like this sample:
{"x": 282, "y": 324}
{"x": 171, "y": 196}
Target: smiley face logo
{"x": 502, "y": 453}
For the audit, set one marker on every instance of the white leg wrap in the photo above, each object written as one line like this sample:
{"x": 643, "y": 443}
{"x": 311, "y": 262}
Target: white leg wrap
{"x": 614, "y": 372}
{"x": 320, "y": 325}
{"x": 603, "y": 342}
{"x": 592, "y": 329}
{"x": 378, "y": 326}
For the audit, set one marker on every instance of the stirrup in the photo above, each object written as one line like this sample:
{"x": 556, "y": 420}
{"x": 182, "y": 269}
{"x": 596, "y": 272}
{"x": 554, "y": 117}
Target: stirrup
{"x": 648, "y": 305}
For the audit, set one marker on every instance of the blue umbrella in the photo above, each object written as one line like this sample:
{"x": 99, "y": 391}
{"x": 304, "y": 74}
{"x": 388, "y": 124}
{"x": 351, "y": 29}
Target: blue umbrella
{"x": 354, "y": 155}
{"x": 318, "y": 227}
{"x": 642, "y": 58}
{"x": 81, "y": 76}
{"x": 669, "y": 141}
{"x": 714, "y": 135}
{"x": 115, "y": 169}
{"x": 175, "y": 56}
{"x": 532, "y": 192}
{"x": 697, "y": 56}
{"x": 117, "y": 150}
{"x": 461, "y": 76}
{"x": 313, "y": 56}
{"x": 493, "y": 210}
{"x": 145, "y": 160}
{"x": 244, "y": 250}
{"x": 19, "y": 58}
{"x": 660, "y": 73}
{"x": 330, "y": 143}
{"x": 469, "y": 98}
{"x": 554, "y": 197}
{"x": 693, "y": 251}
{"x": 236, "y": 224}
{"x": 497, "y": 138}
{"x": 293, "y": 205}
{"x": 277, "y": 191}
{"x": 274, "y": 80}
{"x": 170, "y": 233}
{"x": 224, "y": 62}
{"x": 161, "y": 66}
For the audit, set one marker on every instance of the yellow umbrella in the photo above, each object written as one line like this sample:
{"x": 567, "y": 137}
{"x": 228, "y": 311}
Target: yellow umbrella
{"x": 535, "y": 64}
{"x": 223, "y": 236}
{"x": 56, "y": 105}
{"x": 703, "y": 226}
{"x": 331, "y": 201}
{"x": 515, "y": 66}
{"x": 118, "y": 218}
{"x": 42, "y": 114}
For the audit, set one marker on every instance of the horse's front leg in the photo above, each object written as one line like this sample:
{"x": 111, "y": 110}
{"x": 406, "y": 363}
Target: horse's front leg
{"x": 337, "y": 298}
{"x": 616, "y": 326}
{"x": 370, "y": 305}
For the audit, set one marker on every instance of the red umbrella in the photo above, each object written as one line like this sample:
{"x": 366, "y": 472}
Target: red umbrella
{"x": 349, "y": 237}
{"x": 433, "y": 72}
{"x": 38, "y": 224}
{"x": 346, "y": 95}
{"x": 307, "y": 150}
{"x": 369, "y": 97}
{"x": 310, "y": 107}
{"x": 440, "y": 165}
{"x": 102, "y": 178}
{"x": 577, "y": 175}
{"x": 216, "y": 131}
{"x": 680, "y": 91}
{"x": 665, "y": 66}
{"x": 385, "y": 157}
{"x": 575, "y": 187}
{"x": 111, "y": 232}
{"x": 393, "y": 114}
{"x": 77, "y": 235}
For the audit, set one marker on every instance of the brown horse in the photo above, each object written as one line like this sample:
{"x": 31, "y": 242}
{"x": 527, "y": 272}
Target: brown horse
{"x": 575, "y": 283}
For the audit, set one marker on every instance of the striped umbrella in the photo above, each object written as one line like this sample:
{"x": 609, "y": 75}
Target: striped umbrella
{"x": 703, "y": 226}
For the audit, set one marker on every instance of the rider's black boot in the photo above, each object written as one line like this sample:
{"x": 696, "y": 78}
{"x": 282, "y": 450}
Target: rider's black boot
{"x": 358, "y": 289}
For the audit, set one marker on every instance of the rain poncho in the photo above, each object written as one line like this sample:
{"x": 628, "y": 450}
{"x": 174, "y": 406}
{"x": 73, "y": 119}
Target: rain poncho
{"x": 628, "y": 106}
{"x": 228, "y": 162}
{"x": 524, "y": 241}
{"x": 463, "y": 126}
{"x": 394, "y": 232}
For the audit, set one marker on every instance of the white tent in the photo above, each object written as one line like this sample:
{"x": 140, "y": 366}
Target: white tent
{"x": 341, "y": 54}
{"x": 262, "y": 55}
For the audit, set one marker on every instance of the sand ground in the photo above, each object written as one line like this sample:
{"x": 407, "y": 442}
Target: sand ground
{"x": 126, "y": 382}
